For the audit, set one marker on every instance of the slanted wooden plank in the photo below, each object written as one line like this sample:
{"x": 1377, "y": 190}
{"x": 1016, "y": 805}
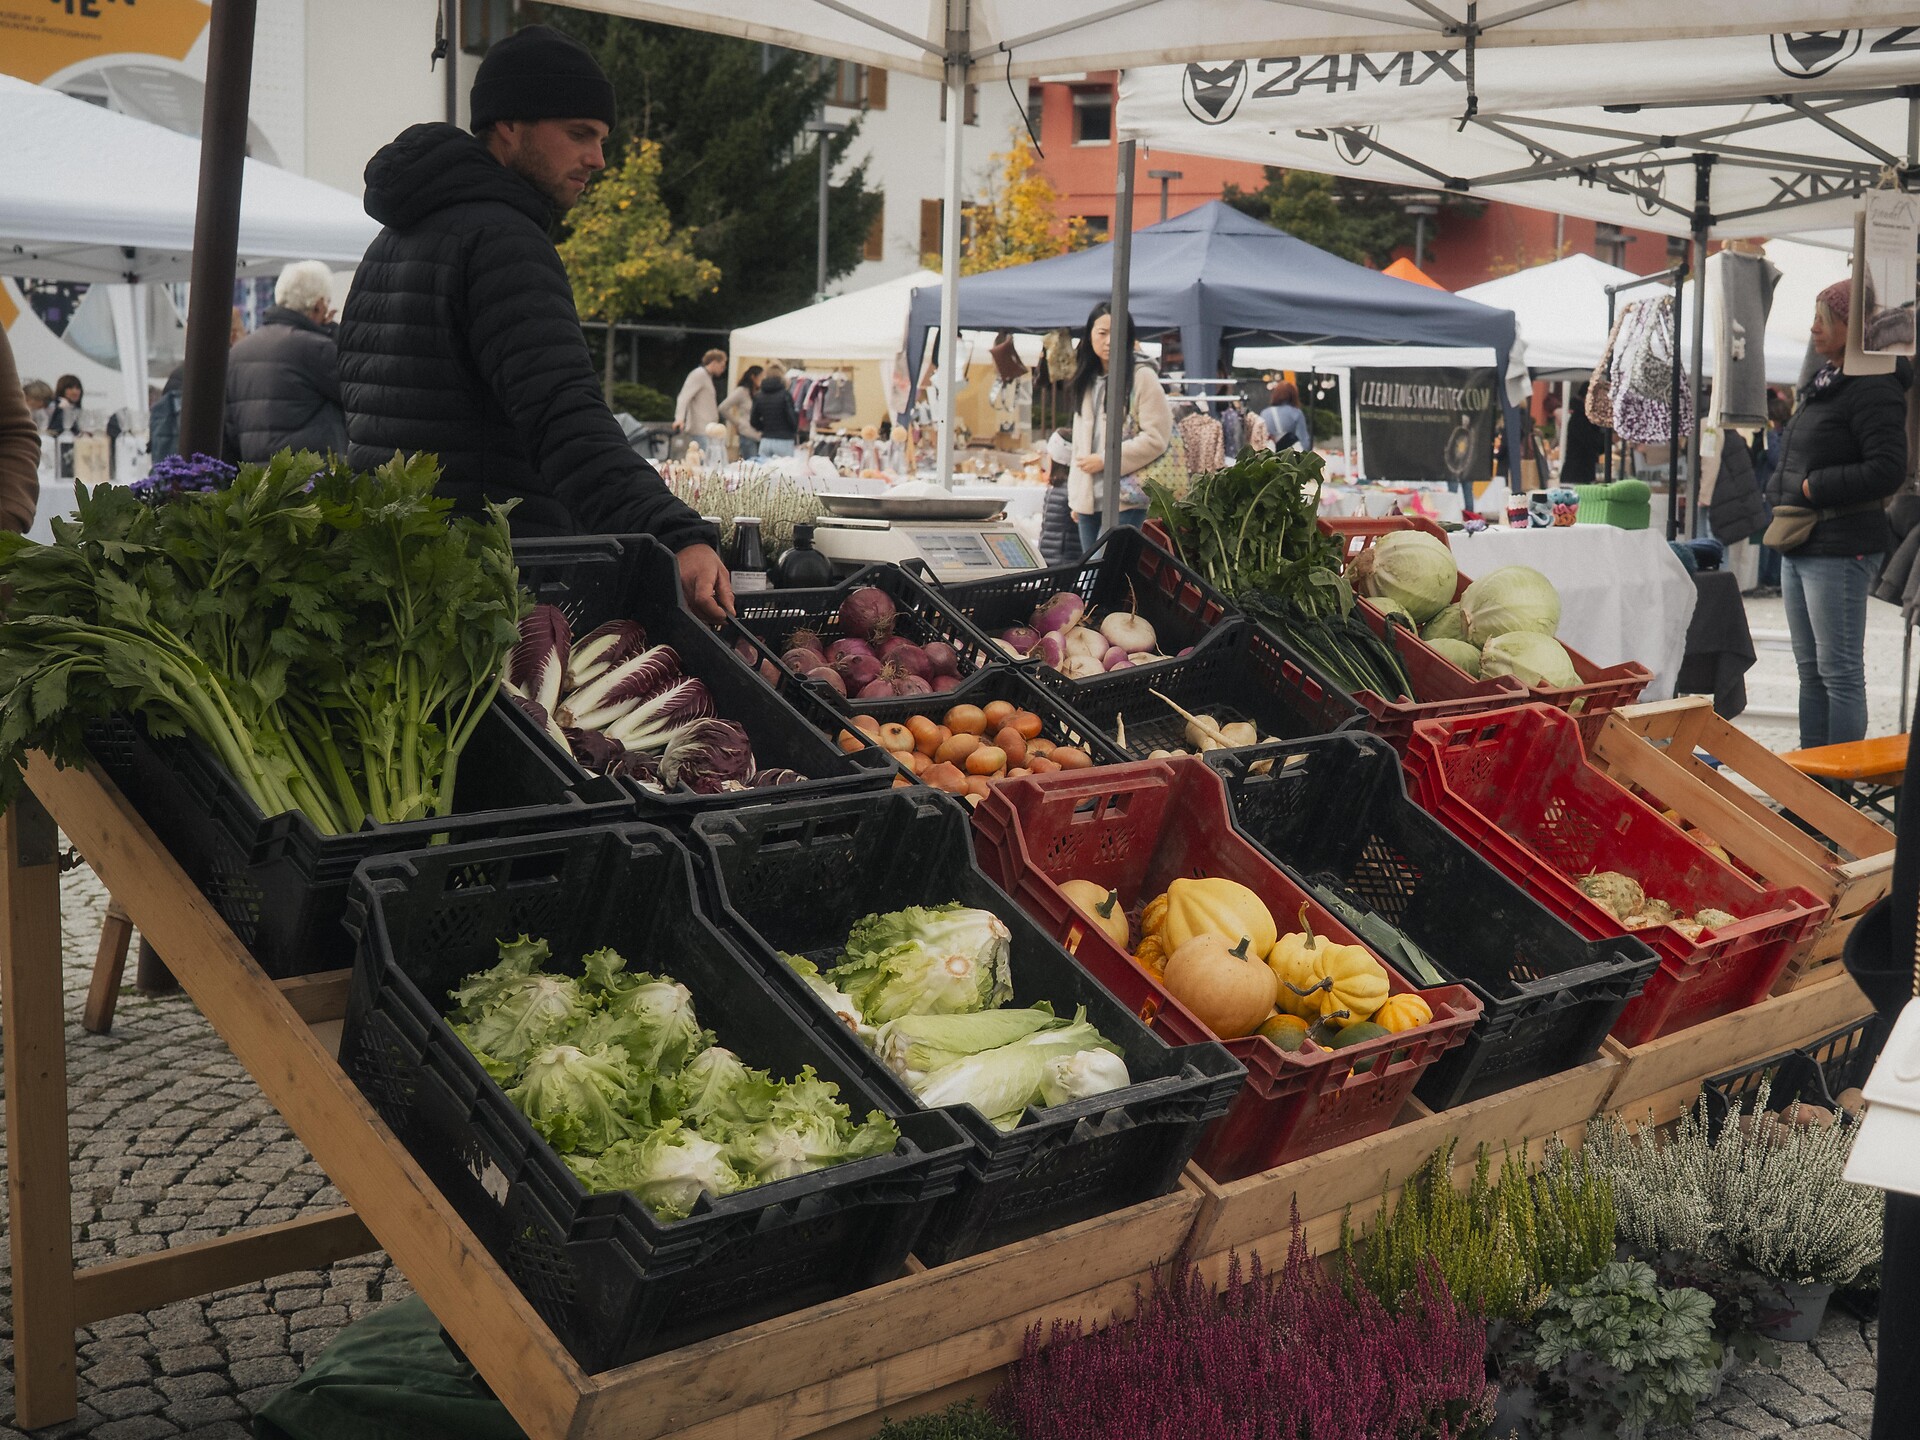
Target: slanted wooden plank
{"x": 146, "y": 1282}
{"x": 39, "y": 1191}
{"x": 318, "y": 998}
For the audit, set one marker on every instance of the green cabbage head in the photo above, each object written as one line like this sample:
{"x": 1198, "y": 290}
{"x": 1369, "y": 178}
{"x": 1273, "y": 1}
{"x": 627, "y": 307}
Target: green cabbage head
{"x": 1534, "y": 660}
{"x": 1413, "y": 569}
{"x": 1514, "y": 597}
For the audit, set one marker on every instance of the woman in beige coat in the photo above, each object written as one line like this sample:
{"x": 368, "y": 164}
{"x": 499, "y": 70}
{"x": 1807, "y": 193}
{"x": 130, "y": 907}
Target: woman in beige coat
{"x": 1150, "y": 427}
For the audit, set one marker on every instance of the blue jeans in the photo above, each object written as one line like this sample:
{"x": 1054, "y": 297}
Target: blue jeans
{"x": 1090, "y": 526}
{"x": 1826, "y": 599}
{"x": 769, "y": 449}
{"x": 749, "y": 447}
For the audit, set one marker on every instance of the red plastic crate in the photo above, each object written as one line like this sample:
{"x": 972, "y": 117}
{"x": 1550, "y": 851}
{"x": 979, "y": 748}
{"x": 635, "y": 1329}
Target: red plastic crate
{"x": 1517, "y": 786}
{"x": 1445, "y": 690}
{"x": 1136, "y": 828}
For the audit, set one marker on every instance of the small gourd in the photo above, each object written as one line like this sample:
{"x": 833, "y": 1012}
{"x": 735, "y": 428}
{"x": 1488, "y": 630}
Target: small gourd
{"x": 1287, "y": 1031}
{"x": 1356, "y": 982}
{"x": 1099, "y": 905}
{"x": 1403, "y": 1012}
{"x": 1228, "y": 990}
{"x": 1222, "y": 908}
{"x": 1153, "y": 919}
{"x": 1151, "y": 956}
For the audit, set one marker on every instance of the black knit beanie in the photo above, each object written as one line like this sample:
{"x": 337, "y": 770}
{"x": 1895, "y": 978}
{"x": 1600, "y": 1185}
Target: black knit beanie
{"x": 539, "y": 74}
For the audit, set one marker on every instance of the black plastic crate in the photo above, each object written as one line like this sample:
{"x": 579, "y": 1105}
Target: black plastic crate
{"x": 1126, "y": 571}
{"x": 797, "y": 879}
{"x": 1334, "y": 811}
{"x": 596, "y": 579}
{"x": 1243, "y": 674}
{"x": 280, "y": 885}
{"x": 1814, "y": 1074}
{"x": 614, "y": 1282}
{"x": 768, "y": 618}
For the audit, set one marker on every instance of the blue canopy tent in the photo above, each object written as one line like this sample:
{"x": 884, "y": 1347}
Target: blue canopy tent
{"x": 1217, "y": 277}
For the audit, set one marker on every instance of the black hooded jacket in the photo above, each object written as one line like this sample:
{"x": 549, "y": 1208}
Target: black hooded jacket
{"x": 283, "y": 390}
{"x": 1849, "y": 444}
{"x": 460, "y": 338}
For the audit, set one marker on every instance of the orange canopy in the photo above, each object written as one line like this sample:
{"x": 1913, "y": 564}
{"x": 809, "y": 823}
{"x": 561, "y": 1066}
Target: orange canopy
{"x": 1405, "y": 269}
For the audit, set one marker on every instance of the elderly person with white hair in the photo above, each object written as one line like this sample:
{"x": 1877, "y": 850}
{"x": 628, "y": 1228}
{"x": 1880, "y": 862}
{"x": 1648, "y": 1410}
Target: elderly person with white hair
{"x": 283, "y": 380}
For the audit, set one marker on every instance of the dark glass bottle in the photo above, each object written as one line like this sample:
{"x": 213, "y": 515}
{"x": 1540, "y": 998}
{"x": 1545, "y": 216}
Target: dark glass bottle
{"x": 748, "y": 565}
{"x": 800, "y": 566}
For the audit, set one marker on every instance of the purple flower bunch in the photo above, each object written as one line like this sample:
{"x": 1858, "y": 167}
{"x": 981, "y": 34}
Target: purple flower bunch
{"x": 1287, "y": 1356}
{"x": 183, "y": 475}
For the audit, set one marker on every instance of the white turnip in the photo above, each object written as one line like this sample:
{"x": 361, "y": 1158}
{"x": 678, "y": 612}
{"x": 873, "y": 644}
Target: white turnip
{"x": 1089, "y": 643}
{"x": 1061, "y": 613}
{"x": 1081, "y": 667}
{"x": 1129, "y": 631}
{"x": 1020, "y": 639}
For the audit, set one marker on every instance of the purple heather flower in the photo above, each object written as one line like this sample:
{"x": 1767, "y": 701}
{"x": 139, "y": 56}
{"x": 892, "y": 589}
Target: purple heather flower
{"x": 183, "y": 475}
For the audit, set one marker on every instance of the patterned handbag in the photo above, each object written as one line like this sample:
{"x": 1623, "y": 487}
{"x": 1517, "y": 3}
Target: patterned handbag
{"x": 1169, "y": 470}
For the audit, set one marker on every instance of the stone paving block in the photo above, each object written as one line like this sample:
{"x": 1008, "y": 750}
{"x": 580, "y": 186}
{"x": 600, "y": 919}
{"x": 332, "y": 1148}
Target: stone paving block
{"x": 138, "y": 1427}
{"x": 1755, "y": 1421}
{"x": 268, "y": 1370}
{"x": 186, "y": 1360}
{"x": 194, "y": 1413}
{"x": 111, "y": 1370}
{"x": 319, "y": 1315}
{"x": 1716, "y": 1430}
{"x": 128, "y": 1400}
{"x": 195, "y": 1386}
{"x": 223, "y": 1430}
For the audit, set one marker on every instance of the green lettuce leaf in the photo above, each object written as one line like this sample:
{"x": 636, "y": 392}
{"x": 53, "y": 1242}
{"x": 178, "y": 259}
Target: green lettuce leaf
{"x": 717, "y": 1090}
{"x": 581, "y": 1099}
{"x": 940, "y": 960}
{"x": 919, "y": 1044}
{"x": 668, "y": 1170}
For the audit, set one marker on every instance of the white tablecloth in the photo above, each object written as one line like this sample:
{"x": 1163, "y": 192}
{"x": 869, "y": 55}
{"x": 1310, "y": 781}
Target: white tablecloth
{"x": 1624, "y": 595}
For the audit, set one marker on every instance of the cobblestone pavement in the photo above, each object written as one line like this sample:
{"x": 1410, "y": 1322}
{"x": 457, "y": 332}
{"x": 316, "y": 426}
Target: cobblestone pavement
{"x": 172, "y": 1142}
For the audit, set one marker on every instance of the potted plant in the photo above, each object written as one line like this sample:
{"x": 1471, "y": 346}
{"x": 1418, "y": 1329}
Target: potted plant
{"x": 1619, "y": 1354}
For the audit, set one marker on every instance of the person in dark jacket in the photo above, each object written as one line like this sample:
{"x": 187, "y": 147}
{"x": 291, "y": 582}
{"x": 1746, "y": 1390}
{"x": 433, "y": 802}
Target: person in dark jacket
{"x": 774, "y": 415}
{"x": 283, "y": 380}
{"x": 1059, "y": 536}
{"x": 1583, "y": 446}
{"x": 1843, "y": 454}
{"x": 1880, "y": 958}
{"x": 460, "y": 335}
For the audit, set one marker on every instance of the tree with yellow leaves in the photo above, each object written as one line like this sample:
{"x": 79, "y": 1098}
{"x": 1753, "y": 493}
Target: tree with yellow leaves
{"x": 624, "y": 254}
{"x": 1020, "y": 218}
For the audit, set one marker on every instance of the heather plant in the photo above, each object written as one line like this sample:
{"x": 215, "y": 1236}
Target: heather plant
{"x": 1287, "y": 1356}
{"x": 1500, "y": 1244}
{"x": 964, "y": 1421}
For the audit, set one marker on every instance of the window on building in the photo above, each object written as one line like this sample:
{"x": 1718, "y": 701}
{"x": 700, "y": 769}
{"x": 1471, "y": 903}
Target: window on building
{"x": 972, "y": 116}
{"x": 876, "y": 246}
{"x": 1093, "y": 116}
{"x": 858, "y": 86}
{"x": 484, "y": 22}
{"x": 930, "y": 215}
{"x": 1678, "y": 247}
{"x": 1609, "y": 244}
{"x": 1096, "y": 227}
{"x": 1036, "y": 105}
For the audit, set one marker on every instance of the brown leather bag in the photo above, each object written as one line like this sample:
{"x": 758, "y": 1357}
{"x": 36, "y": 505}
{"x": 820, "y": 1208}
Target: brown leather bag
{"x": 1006, "y": 360}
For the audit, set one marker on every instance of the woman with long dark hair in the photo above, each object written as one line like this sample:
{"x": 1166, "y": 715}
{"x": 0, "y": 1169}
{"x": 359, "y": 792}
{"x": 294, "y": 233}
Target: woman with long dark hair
{"x": 1148, "y": 435}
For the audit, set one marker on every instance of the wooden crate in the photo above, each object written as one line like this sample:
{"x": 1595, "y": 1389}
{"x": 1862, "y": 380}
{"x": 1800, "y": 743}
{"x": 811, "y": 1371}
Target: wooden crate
{"x": 1257, "y": 1213}
{"x": 1663, "y": 1076}
{"x": 1659, "y": 749}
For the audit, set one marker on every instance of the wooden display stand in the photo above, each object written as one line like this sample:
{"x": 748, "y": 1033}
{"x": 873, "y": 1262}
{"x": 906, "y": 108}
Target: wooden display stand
{"x": 908, "y": 1345}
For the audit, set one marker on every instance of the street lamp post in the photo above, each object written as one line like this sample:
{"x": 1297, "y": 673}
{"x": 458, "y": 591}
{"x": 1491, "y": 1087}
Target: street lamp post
{"x": 1164, "y": 177}
{"x": 1420, "y": 206}
{"x": 826, "y": 130}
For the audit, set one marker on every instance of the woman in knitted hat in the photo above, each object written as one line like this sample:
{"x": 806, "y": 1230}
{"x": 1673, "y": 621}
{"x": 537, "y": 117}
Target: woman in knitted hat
{"x": 1844, "y": 454}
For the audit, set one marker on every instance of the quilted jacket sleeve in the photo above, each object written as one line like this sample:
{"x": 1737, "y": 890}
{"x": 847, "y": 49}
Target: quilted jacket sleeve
{"x": 526, "y": 341}
{"x": 1876, "y": 416}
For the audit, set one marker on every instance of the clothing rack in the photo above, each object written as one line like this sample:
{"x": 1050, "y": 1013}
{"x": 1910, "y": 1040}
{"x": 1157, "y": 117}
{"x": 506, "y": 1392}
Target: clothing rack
{"x": 1675, "y": 275}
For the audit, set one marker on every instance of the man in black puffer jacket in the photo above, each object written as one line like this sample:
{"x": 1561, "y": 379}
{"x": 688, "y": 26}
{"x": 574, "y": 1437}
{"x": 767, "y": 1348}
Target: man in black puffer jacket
{"x": 460, "y": 336}
{"x": 283, "y": 380}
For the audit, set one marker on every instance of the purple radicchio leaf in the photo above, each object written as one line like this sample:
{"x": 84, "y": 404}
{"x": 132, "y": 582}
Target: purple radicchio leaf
{"x": 622, "y": 689}
{"x": 537, "y": 713}
{"x": 706, "y": 754}
{"x": 651, "y": 726}
{"x": 641, "y": 768}
{"x": 779, "y": 775}
{"x": 537, "y": 662}
{"x": 598, "y": 652}
{"x": 596, "y": 753}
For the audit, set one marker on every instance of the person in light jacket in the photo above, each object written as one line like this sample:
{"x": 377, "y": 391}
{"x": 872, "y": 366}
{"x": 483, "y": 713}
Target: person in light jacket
{"x": 1150, "y": 420}
{"x": 698, "y": 405}
{"x": 19, "y": 448}
{"x": 737, "y": 411}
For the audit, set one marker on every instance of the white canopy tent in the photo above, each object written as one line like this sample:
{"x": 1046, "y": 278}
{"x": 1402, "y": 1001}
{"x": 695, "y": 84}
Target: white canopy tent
{"x": 958, "y": 41}
{"x": 125, "y": 217}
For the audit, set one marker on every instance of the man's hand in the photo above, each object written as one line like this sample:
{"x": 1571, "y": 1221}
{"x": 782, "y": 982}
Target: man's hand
{"x": 704, "y": 581}
{"x": 1091, "y": 464}
{"x": 678, "y": 427}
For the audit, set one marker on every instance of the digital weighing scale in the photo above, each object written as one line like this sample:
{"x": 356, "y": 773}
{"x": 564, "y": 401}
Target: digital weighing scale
{"x": 957, "y": 539}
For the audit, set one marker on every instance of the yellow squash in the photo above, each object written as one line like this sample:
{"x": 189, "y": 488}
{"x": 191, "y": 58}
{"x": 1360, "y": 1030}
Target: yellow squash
{"x": 1100, "y": 905}
{"x": 1224, "y": 909}
{"x": 1403, "y": 1012}
{"x": 1151, "y": 956}
{"x": 1318, "y": 978}
{"x": 1357, "y": 982}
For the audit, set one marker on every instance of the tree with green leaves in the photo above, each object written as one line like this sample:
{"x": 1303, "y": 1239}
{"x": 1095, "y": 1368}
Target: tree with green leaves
{"x": 625, "y": 256}
{"x": 737, "y": 167}
{"x": 1358, "y": 220}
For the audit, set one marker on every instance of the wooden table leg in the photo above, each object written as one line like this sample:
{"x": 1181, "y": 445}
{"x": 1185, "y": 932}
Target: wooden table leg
{"x": 39, "y": 1187}
{"x": 109, "y": 968}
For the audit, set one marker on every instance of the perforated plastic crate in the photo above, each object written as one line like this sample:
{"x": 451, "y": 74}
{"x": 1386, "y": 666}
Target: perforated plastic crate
{"x": 1245, "y": 674}
{"x": 1516, "y": 786}
{"x": 1443, "y": 690}
{"x": 1334, "y": 811}
{"x": 600, "y": 578}
{"x": 280, "y": 885}
{"x": 1814, "y": 1074}
{"x": 1136, "y": 829}
{"x": 1127, "y": 571}
{"x": 614, "y": 1282}
{"x": 797, "y": 879}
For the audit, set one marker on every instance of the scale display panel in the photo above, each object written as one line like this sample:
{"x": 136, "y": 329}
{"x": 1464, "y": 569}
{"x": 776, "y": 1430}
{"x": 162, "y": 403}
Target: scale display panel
{"x": 954, "y": 549}
{"x": 1010, "y": 548}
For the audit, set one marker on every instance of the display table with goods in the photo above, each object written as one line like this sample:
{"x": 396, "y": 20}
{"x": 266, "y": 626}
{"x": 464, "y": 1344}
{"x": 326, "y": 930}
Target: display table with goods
{"x": 1623, "y": 594}
{"x": 710, "y": 1073}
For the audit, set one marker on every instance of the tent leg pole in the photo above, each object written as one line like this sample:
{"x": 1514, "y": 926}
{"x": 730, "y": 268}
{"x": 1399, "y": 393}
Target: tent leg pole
{"x": 1673, "y": 413}
{"x": 958, "y": 39}
{"x": 1906, "y": 666}
{"x": 216, "y": 225}
{"x": 1120, "y": 363}
{"x": 1702, "y": 221}
{"x": 1612, "y": 438}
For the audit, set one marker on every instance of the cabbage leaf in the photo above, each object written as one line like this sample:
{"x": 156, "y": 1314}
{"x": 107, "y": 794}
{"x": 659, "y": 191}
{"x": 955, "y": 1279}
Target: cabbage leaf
{"x": 926, "y": 960}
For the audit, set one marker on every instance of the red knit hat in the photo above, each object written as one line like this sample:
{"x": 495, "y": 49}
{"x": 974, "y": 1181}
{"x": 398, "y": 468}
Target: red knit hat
{"x": 1838, "y": 298}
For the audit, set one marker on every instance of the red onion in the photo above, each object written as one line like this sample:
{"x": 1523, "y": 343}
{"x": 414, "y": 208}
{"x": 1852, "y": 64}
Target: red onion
{"x": 829, "y": 677}
{"x": 857, "y": 670}
{"x": 943, "y": 683}
{"x": 801, "y": 661}
{"x": 907, "y": 683}
{"x": 944, "y": 659}
{"x": 874, "y": 690}
{"x": 806, "y": 638}
{"x": 906, "y": 656}
{"x": 868, "y": 612}
{"x": 769, "y": 672}
{"x": 841, "y": 649}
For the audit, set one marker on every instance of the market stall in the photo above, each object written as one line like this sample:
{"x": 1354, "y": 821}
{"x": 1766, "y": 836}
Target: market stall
{"x": 1104, "y": 1085}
